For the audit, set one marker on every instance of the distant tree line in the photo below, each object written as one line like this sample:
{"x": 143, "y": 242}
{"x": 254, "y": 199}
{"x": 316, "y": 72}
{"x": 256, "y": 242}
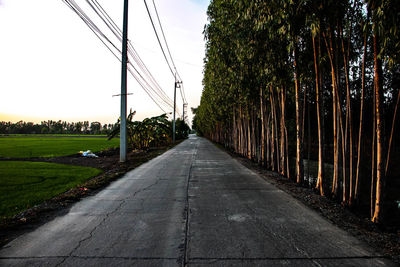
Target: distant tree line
{"x": 56, "y": 127}
{"x": 286, "y": 80}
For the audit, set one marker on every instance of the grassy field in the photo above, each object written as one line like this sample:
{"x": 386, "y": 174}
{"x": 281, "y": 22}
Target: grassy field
{"x": 25, "y": 184}
{"x": 51, "y": 146}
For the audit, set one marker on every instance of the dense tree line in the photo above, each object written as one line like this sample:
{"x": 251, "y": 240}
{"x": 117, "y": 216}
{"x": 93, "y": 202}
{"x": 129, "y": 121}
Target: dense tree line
{"x": 55, "y": 127}
{"x": 287, "y": 79}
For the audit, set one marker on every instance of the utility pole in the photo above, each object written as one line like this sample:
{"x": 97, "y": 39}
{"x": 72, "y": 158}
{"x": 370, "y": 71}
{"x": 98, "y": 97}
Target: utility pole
{"x": 184, "y": 108}
{"x": 173, "y": 122}
{"x": 122, "y": 135}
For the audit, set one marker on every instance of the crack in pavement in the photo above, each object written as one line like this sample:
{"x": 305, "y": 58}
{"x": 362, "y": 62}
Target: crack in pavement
{"x": 268, "y": 230}
{"x": 200, "y": 258}
{"x": 291, "y": 258}
{"x": 184, "y": 258}
{"x": 106, "y": 216}
{"x": 88, "y": 257}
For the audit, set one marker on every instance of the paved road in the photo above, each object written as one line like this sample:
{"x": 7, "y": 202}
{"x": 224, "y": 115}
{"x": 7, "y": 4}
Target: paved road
{"x": 192, "y": 205}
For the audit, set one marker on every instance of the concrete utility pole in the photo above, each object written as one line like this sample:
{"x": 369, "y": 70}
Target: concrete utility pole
{"x": 177, "y": 85}
{"x": 122, "y": 136}
{"x": 173, "y": 120}
{"x": 184, "y": 108}
{"x": 183, "y": 112}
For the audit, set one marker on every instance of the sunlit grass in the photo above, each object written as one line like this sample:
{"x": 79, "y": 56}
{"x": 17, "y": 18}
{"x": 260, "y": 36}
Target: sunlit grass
{"x": 27, "y": 146}
{"x": 25, "y": 184}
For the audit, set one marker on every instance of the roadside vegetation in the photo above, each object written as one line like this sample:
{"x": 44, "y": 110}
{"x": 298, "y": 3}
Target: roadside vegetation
{"x": 151, "y": 132}
{"x": 288, "y": 80}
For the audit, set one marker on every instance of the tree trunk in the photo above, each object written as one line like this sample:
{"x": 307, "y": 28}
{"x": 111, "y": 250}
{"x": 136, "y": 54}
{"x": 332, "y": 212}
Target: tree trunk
{"x": 275, "y": 137}
{"x": 262, "y": 143}
{"x": 373, "y": 171}
{"x": 272, "y": 131}
{"x": 320, "y": 119}
{"x": 360, "y": 129}
{"x": 248, "y": 152}
{"x": 309, "y": 139}
{"x": 268, "y": 138}
{"x": 299, "y": 144}
{"x": 348, "y": 124}
{"x": 304, "y": 113}
{"x": 283, "y": 136}
{"x": 335, "y": 182}
{"x": 380, "y": 161}
{"x": 391, "y": 134}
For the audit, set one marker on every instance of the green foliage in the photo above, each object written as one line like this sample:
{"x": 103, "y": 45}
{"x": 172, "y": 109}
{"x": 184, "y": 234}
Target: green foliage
{"x": 51, "y": 146}
{"x": 54, "y": 127}
{"x": 250, "y": 46}
{"x": 181, "y": 129}
{"x": 25, "y": 184}
{"x": 151, "y": 132}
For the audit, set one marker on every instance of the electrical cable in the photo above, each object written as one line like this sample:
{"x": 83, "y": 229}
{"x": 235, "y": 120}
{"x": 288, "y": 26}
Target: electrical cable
{"x": 104, "y": 39}
{"x": 169, "y": 52}
{"x": 158, "y": 38}
{"x": 118, "y": 33}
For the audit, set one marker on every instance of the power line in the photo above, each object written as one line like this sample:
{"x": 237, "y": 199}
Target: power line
{"x": 158, "y": 38}
{"x": 165, "y": 40}
{"x": 166, "y": 44}
{"x": 117, "y": 32}
{"x": 153, "y": 93}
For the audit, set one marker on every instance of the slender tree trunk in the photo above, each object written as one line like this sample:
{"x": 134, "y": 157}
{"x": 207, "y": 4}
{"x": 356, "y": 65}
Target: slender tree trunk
{"x": 360, "y": 129}
{"x": 283, "y": 136}
{"x": 348, "y": 122}
{"x": 286, "y": 144}
{"x": 272, "y": 131}
{"x": 262, "y": 128}
{"x": 391, "y": 134}
{"x": 304, "y": 113}
{"x": 240, "y": 132}
{"x": 268, "y": 128}
{"x": 299, "y": 144}
{"x": 320, "y": 118}
{"x": 278, "y": 167}
{"x": 309, "y": 139}
{"x": 373, "y": 160}
{"x": 248, "y": 136}
{"x": 380, "y": 161}
{"x": 335, "y": 182}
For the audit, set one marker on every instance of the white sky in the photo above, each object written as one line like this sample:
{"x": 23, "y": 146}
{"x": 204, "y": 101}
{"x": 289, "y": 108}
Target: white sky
{"x": 53, "y": 67}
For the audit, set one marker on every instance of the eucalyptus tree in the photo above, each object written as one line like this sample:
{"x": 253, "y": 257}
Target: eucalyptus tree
{"x": 262, "y": 56}
{"x": 385, "y": 23}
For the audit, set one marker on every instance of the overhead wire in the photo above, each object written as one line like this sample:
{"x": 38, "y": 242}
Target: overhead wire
{"x": 158, "y": 38}
{"x": 131, "y": 50}
{"x": 169, "y": 52}
{"x": 153, "y": 93}
{"x": 165, "y": 40}
{"x": 181, "y": 88}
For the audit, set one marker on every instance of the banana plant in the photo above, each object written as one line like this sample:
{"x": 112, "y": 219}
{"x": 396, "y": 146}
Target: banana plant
{"x": 150, "y": 132}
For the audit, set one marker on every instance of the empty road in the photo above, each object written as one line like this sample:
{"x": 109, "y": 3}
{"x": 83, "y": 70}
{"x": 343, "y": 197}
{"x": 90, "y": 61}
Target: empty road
{"x": 194, "y": 205}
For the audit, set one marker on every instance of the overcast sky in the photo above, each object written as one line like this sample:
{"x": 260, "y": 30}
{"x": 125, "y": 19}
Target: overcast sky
{"x": 52, "y": 66}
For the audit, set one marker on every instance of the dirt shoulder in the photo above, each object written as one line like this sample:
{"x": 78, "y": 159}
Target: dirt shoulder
{"x": 107, "y": 161}
{"x": 385, "y": 240}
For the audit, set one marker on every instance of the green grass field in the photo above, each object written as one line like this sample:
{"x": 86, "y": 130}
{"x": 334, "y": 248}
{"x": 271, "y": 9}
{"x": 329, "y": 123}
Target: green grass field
{"x": 51, "y": 146}
{"x": 25, "y": 184}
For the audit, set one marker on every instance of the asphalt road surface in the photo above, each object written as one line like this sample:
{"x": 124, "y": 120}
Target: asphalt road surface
{"x": 194, "y": 205}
